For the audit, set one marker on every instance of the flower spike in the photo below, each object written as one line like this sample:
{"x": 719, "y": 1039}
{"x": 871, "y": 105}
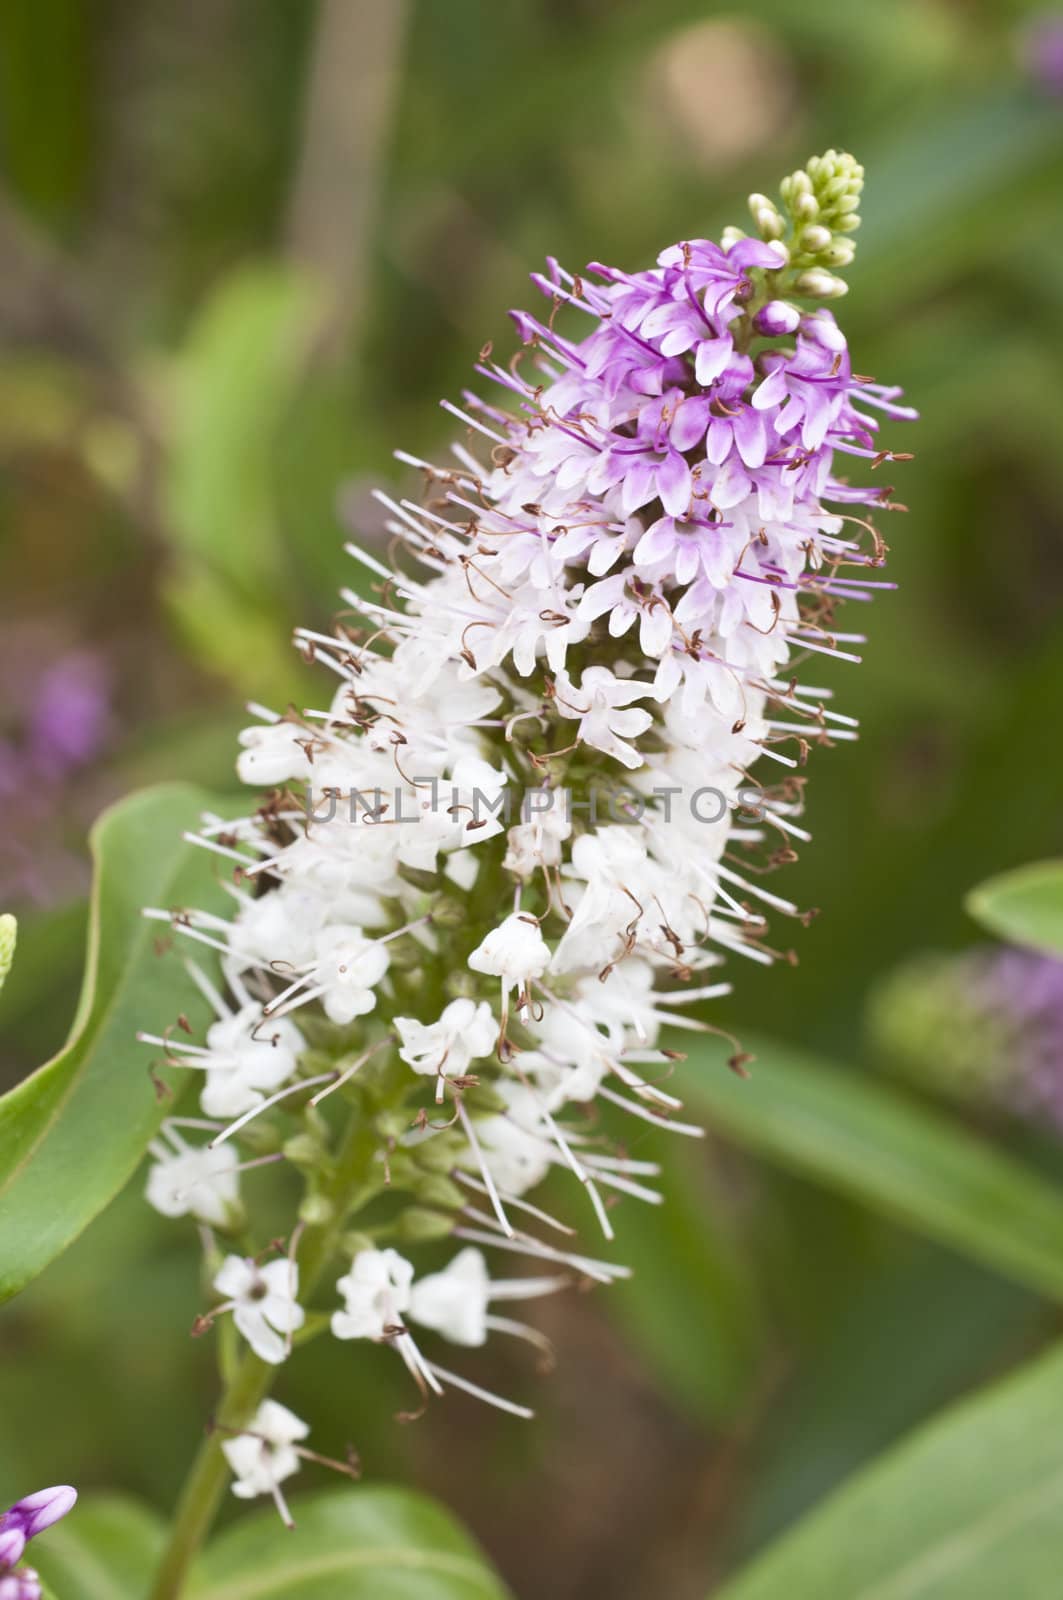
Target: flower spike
{"x": 563, "y": 743}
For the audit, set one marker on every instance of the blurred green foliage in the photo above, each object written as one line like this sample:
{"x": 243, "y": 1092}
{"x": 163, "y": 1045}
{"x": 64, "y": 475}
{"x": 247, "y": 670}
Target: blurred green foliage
{"x": 247, "y": 247}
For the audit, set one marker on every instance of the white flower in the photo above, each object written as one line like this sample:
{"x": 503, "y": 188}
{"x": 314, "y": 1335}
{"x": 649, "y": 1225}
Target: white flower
{"x": 263, "y": 1457}
{"x": 273, "y": 753}
{"x": 248, "y": 1056}
{"x": 603, "y": 705}
{"x": 454, "y": 1302}
{"x": 347, "y": 968}
{"x": 280, "y": 928}
{"x": 517, "y": 1152}
{"x": 514, "y": 951}
{"x": 376, "y": 1292}
{"x": 198, "y": 1183}
{"x": 263, "y": 1303}
{"x": 444, "y": 1049}
{"x": 624, "y": 606}
{"x": 534, "y": 620}
{"x": 454, "y": 812}
{"x": 621, "y": 885}
{"x": 537, "y": 842}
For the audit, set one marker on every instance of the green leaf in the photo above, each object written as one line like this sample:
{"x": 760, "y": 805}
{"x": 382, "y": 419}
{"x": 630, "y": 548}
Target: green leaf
{"x": 235, "y": 378}
{"x": 73, "y": 1132}
{"x": 234, "y": 382}
{"x": 932, "y": 1320}
{"x": 1024, "y": 906}
{"x": 901, "y": 1159}
{"x": 970, "y": 1508}
{"x": 360, "y": 1544}
{"x": 105, "y": 1550}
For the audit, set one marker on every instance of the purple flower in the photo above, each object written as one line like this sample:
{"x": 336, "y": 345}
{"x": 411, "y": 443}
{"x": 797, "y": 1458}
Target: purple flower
{"x": 71, "y": 715}
{"x": 777, "y": 318}
{"x": 1041, "y": 50}
{"x": 984, "y": 1027}
{"x": 25, "y": 1519}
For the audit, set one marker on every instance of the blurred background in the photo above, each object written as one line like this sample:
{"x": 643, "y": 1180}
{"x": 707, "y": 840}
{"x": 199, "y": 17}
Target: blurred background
{"x": 246, "y": 247}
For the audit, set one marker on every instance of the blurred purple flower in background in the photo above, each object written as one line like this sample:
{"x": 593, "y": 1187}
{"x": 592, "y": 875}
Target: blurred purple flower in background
{"x": 61, "y": 723}
{"x": 65, "y": 724}
{"x": 984, "y": 1028}
{"x": 24, "y": 1521}
{"x": 71, "y": 716}
{"x": 1041, "y": 51}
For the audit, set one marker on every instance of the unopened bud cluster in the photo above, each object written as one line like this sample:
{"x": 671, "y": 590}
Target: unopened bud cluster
{"x": 820, "y": 209}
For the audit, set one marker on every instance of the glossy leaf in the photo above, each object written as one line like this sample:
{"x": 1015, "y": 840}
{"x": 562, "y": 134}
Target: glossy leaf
{"x": 930, "y": 1319}
{"x": 888, "y": 1152}
{"x": 361, "y": 1544}
{"x": 971, "y": 1508}
{"x": 105, "y": 1550}
{"x": 73, "y": 1132}
{"x": 1024, "y": 906}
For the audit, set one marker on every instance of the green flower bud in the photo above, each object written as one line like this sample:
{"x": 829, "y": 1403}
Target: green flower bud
{"x": 263, "y": 1136}
{"x": 815, "y": 238}
{"x": 460, "y": 985}
{"x": 417, "y": 1225}
{"x": 818, "y": 284}
{"x": 420, "y": 878}
{"x": 435, "y": 1155}
{"x": 436, "y": 1190}
{"x": 316, "y": 1210}
{"x": 393, "y": 1124}
{"x": 448, "y": 912}
{"x": 797, "y": 184}
{"x": 405, "y": 953}
{"x": 838, "y": 253}
{"x": 303, "y": 1150}
{"x": 354, "y": 1242}
{"x": 770, "y": 223}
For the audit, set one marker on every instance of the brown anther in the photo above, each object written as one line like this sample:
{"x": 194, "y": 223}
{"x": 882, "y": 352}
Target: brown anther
{"x": 162, "y": 1089}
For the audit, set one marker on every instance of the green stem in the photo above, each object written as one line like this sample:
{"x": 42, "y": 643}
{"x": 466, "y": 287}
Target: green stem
{"x": 205, "y": 1484}
{"x": 253, "y": 1378}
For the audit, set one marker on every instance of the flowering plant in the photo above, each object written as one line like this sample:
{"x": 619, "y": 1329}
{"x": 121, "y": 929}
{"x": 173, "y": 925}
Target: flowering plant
{"x": 483, "y": 880}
